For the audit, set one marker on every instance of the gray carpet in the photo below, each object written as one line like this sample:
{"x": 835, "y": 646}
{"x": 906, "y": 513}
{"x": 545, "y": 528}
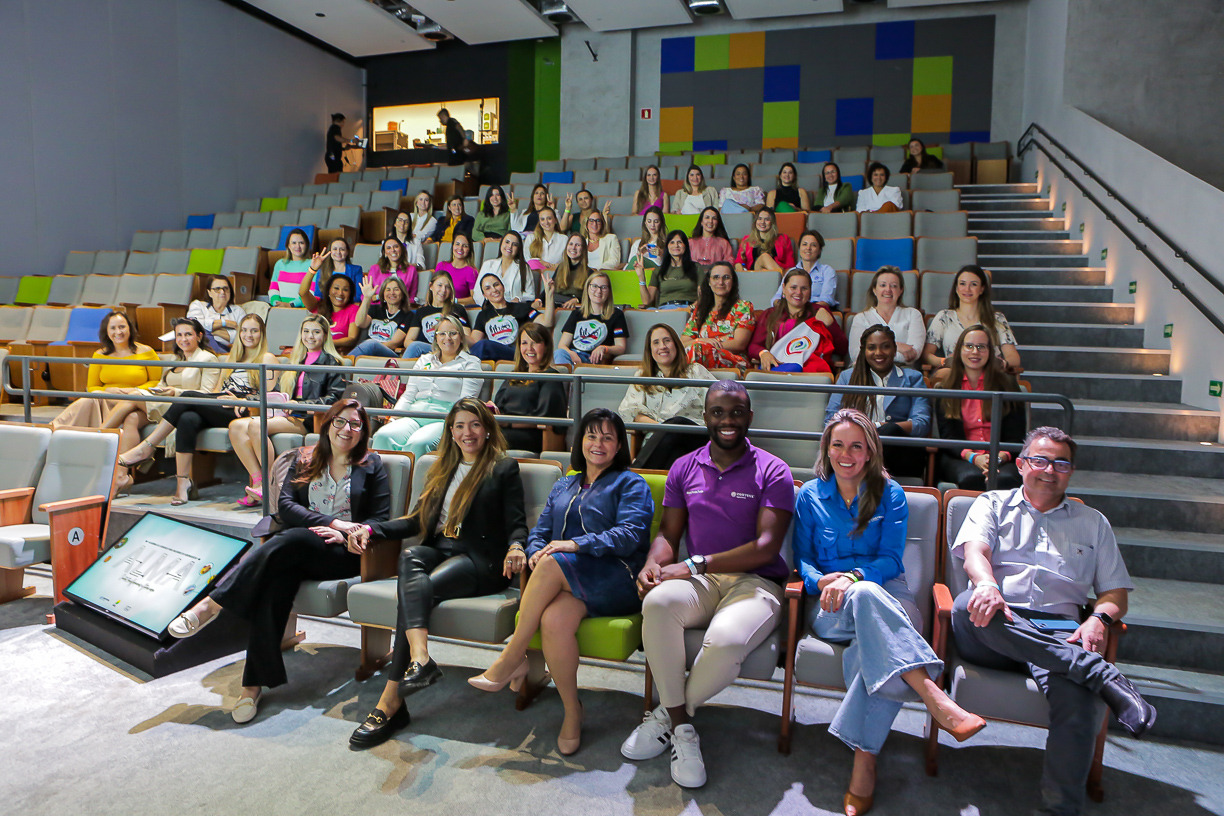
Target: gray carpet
{"x": 82, "y": 734}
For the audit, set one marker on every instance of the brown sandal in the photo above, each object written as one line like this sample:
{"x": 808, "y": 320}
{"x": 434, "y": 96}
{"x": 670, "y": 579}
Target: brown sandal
{"x": 861, "y": 804}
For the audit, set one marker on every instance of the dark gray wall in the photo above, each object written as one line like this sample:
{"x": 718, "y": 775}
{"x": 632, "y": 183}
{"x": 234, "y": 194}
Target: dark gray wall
{"x": 1153, "y": 71}
{"x": 122, "y": 115}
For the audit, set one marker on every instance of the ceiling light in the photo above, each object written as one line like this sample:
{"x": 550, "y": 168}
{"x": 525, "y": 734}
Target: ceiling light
{"x": 705, "y": 7}
{"x": 556, "y": 11}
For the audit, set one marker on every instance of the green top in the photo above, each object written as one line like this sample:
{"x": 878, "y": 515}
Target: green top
{"x": 497, "y": 225}
{"x": 675, "y": 287}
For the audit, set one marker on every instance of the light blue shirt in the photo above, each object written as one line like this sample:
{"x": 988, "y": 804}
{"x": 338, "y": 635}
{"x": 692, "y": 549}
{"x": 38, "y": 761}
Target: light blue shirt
{"x": 822, "y": 539}
{"x": 824, "y": 284}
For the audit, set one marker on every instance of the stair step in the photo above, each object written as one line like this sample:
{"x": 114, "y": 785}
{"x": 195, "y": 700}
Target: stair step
{"x": 1052, "y": 293}
{"x": 1036, "y": 311}
{"x": 1136, "y": 420}
{"x": 989, "y": 261}
{"x": 979, "y": 222}
{"x": 1027, "y": 234}
{"x": 1042, "y": 246}
{"x": 1157, "y": 457}
{"x": 1082, "y": 385}
{"x": 1045, "y": 275}
{"x": 1189, "y": 704}
{"x": 1171, "y": 554}
{"x": 1089, "y": 334}
{"x": 1026, "y": 187}
{"x": 1185, "y": 503}
{"x": 1175, "y": 623}
{"x": 996, "y": 204}
{"x": 1095, "y": 360}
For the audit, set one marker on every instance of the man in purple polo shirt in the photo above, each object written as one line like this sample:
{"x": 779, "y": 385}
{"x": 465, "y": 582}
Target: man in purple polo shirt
{"x": 736, "y": 502}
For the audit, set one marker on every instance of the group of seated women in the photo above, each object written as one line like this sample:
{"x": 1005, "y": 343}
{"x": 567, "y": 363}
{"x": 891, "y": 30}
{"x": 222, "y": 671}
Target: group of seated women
{"x": 468, "y": 536}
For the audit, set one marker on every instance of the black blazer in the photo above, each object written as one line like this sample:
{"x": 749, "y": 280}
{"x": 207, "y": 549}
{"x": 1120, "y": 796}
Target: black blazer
{"x": 321, "y": 387}
{"x": 496, "y": 518}
{"x": 369, "y": 493}
{"x": 1013, "y": 429}
{"x": 464, "y": 226}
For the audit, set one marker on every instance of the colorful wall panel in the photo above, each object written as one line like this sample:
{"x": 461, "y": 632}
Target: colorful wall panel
{"x": 822, "y": 87}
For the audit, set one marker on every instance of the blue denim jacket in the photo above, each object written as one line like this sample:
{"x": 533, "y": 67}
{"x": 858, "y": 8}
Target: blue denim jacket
{"x": 823, "y": 542}
{"x": 616, "y": 513}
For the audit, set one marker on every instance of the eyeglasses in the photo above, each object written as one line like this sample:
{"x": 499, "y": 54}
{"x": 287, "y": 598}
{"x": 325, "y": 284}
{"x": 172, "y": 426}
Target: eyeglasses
{"x": 599, "y": 287}
{"x": 446, "y": 334}
{"x": 340, "y": 423}
{"x": 1042, "y": 463}
{"x": 975, "y": 346}
{"x": 219, "y": 289}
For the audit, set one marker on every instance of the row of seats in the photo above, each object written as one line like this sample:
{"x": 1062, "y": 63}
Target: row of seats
{"x": 321, "y": 218}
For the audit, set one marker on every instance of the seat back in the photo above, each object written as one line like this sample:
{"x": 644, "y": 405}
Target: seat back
{"x": 65, "y": 290}
{"x": 931, "y": 181}
{"x": 936, "y": 287}
{"x": 172, "y": 289}
{"x": 15, "y": 323}
{"x": 936, "y": 200}
{"x": 109, "y": 262}
{"x": 172, "y": 261}
{"x": 839, "y": 253}
{"x": 788, "y": 410}
{"x": 758, "y": 288}
{"x": 135, "y": 289}
{"x": 956, "y": 507}
{"x": 232, "y": 237}
{"x": 538, "y": 480}
{"x": 205, "y": 262}
{"x": 872, "y": 253}
{"x": 79, "y": 263}
{"x": 84, "y": 324}
{"x": 284, "y": 325}
{"x": 99, "y": 290}
{"x": 173, "y": 239}
{"x": 78, "y": 464}
{"x": 886, "y": 225}
{"x": 598, "y": 394}
{"x": 922, "y": 549}
{"x": 203, "y": 239}
{"x": 48, "y": 324}
{"x": 33, "y": 290}
{"x": 399, "y": 474}
{"x": 941, "y": 224}
{"x": 946, "y": 254}
{"x": 23, "y": 451}
{"x": 834, "y": 225}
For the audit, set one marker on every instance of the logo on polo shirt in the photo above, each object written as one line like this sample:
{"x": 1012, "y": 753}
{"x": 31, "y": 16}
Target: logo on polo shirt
{"x": 735, "y": 494}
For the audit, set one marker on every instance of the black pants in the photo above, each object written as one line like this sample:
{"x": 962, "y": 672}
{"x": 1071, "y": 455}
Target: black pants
{"x": 189, "y": 420}
{"x": 968, "y": 476}
{"x": 661, "y": 450}
{"x": 428, "y": 576}
{"x": 261, "y": 588}
{"x": 902, "y": 460}
{"x": 334, "y": 161}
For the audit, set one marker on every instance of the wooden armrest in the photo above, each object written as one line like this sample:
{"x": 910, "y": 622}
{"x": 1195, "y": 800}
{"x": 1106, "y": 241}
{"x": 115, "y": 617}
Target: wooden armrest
{"x": 943, "y": 600}
{"x": 65, "y": 505}
{"x": 15, "y": 504}
{"x": 794, "y": 589}
{"x": 380, "y": 559}
{"x": 943, "y": 620}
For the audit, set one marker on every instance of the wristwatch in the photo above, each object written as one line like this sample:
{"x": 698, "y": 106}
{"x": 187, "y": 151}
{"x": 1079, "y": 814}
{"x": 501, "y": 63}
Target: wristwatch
{"x": 1105, "y": 618}
{"x": 698, "y": 564}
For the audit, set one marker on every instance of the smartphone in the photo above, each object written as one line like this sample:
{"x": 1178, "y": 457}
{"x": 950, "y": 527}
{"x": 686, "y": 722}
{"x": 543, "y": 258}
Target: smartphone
{"x": 1054, "y": 624}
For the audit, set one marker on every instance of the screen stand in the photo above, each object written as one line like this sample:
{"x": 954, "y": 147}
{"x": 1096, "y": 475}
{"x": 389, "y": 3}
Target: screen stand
{"x": 224, "y": 636}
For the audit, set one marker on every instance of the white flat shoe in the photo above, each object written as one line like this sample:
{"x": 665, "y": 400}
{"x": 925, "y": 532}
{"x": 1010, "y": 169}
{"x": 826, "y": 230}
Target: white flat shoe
{"x": 245, "y": 710}
{"x": 187, "y": 624}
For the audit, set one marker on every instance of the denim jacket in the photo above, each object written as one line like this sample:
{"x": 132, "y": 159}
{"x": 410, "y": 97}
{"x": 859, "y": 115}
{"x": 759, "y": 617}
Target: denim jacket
{"x": 616, "y": 513}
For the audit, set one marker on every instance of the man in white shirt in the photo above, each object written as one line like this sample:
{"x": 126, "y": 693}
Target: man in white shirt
{"x": 1033, "y": 559}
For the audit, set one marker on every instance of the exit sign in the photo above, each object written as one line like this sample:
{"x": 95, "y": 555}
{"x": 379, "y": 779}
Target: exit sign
{"x": 646, "y": 113}
{"x": 1168, "y": 330}
{"x": 1134, "y": 287}
{"x": 1215, "y": 388}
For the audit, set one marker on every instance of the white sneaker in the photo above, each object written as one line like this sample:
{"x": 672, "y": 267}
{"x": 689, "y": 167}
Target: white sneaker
{"x": 687, "y": 767}
{"x": 649, "y": 739}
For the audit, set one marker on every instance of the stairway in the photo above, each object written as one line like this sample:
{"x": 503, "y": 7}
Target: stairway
{"x": 1148, "y": 462}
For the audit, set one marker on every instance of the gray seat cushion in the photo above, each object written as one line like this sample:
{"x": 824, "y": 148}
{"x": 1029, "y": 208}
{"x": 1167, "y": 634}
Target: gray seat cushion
{"x": 759, "y": 664}
{"x": 324, "y": 599}
{"x": 24, "y": 544}
{"x": 1005, "y": 695}
{"x": 818, "y": 663}
{"x": 489, "y": 618}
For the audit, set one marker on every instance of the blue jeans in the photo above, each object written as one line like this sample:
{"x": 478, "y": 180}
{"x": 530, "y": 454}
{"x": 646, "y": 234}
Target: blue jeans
{"x": 416, "y": 348}
{"x": 561, "y": 357}
{"x": 372, "y": 348}
{"x": 491, "y": 350}
{"x": 883, "y": 646}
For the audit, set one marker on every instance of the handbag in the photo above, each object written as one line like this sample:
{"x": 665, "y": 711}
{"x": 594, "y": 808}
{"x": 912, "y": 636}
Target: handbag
{"x": 391, "y": 384}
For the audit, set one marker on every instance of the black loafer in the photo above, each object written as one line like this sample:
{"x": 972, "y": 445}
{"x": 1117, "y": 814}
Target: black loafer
{"x": 1134, "y": 713}
{"x": 378, "y": 728}
{"x": 418, "y": 677}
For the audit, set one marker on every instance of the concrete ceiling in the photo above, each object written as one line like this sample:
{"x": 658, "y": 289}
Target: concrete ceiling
{"x": 360, "y": 28}
{"x": 356, "y": 27}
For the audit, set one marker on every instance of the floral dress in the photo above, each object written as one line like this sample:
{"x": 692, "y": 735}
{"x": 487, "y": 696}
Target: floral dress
{"x": 715, "y": 328}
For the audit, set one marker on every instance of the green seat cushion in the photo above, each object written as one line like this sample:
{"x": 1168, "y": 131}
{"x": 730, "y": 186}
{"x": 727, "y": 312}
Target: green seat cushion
{"x": 605, "y": 638}
{"x": 273, "y": 204}
{"x": 205, "y": 261}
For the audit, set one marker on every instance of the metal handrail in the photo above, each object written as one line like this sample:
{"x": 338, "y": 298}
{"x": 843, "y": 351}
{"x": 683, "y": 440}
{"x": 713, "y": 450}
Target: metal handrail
{"x": 1178, "y": 252}
{"x": 575, "y": 379}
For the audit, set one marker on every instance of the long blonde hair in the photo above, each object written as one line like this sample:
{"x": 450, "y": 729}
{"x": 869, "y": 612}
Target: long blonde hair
{"x": 288, "y": 380}
{"x": 537, "y": 236}
{"x": 609, "y": 307}
{"x": 680, "y": 367}
{"x": 238, "y": 352}
{"x": 764, "y": 241}
{"x": 570, "y": 275}
{"x": 428, "y": 506}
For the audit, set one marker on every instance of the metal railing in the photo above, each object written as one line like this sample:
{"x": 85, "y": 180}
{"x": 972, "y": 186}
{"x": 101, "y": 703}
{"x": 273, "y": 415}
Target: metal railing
{"x": 1030, "y": 134}
{"x": 575, "y": 380}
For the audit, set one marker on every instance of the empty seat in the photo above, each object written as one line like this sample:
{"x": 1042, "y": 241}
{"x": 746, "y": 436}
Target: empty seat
{"x": 344, "y": 217}
{"x": 935, "y": 289}
{"x": 301, "y": 202}
{"x": 65, "y": 290}
{"x": 173, "y": 261}
{"x": 23, "y": 452}
{"x": 140, "y": 263}
{"x": 32, "y": 290}
{"x": 399, "y": 173}
{"x": 359, "y": 200}
{"x": 946, "y": 254}
{"x": 927, "y": 180}
{"x": 958, "y": 158}
{"x": 374, "y": 174}
{"x": 265, "y": 237}
{"x": 941, "y": 224}
{"x": 135, "y": 290}
{"x": 834, "y": 225}
{"x": 316, "y": 217}
{"x": 79, "y": 263}
{"x": 991, "y": 162}
{"x": 789, "y": 410}
{"x": 84, "y": 324}
{"x": 203, "y": 239}
{"x": 366, "y": 255}
{"x": 839, "y": 253}
{"x": 758, "y": 288}
{"x": 255, "y": 219}
{"x": 173, "y": 239}
{"x": 205, "y": 262}
{"x": 247, "y": 205}
{"x": 99, "y": 290}
{"x": 273, "y": 204}
{"x": 886, "y": 225}
{"x": 284, "y": 326}
{"x": 109, "y": 262}
{"x": 850, "y": 156}
{"x": 231, "y": 219}
{"x": 14, "y": 325}
{"x": 281, "y": 218}
{"x": 936, "y": 200}
{"x": 232, "y": 237}
{"x": 365, "y": 186}
{"x": 872, "y": 253}
{"x": 385, "y": 198}
{"x": 202, "y": 222}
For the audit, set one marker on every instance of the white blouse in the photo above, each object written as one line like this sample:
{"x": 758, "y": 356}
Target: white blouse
{"x": 515, "y": 291}
{"x": 906, "y": 324}
{"x": 870, "y": 201}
